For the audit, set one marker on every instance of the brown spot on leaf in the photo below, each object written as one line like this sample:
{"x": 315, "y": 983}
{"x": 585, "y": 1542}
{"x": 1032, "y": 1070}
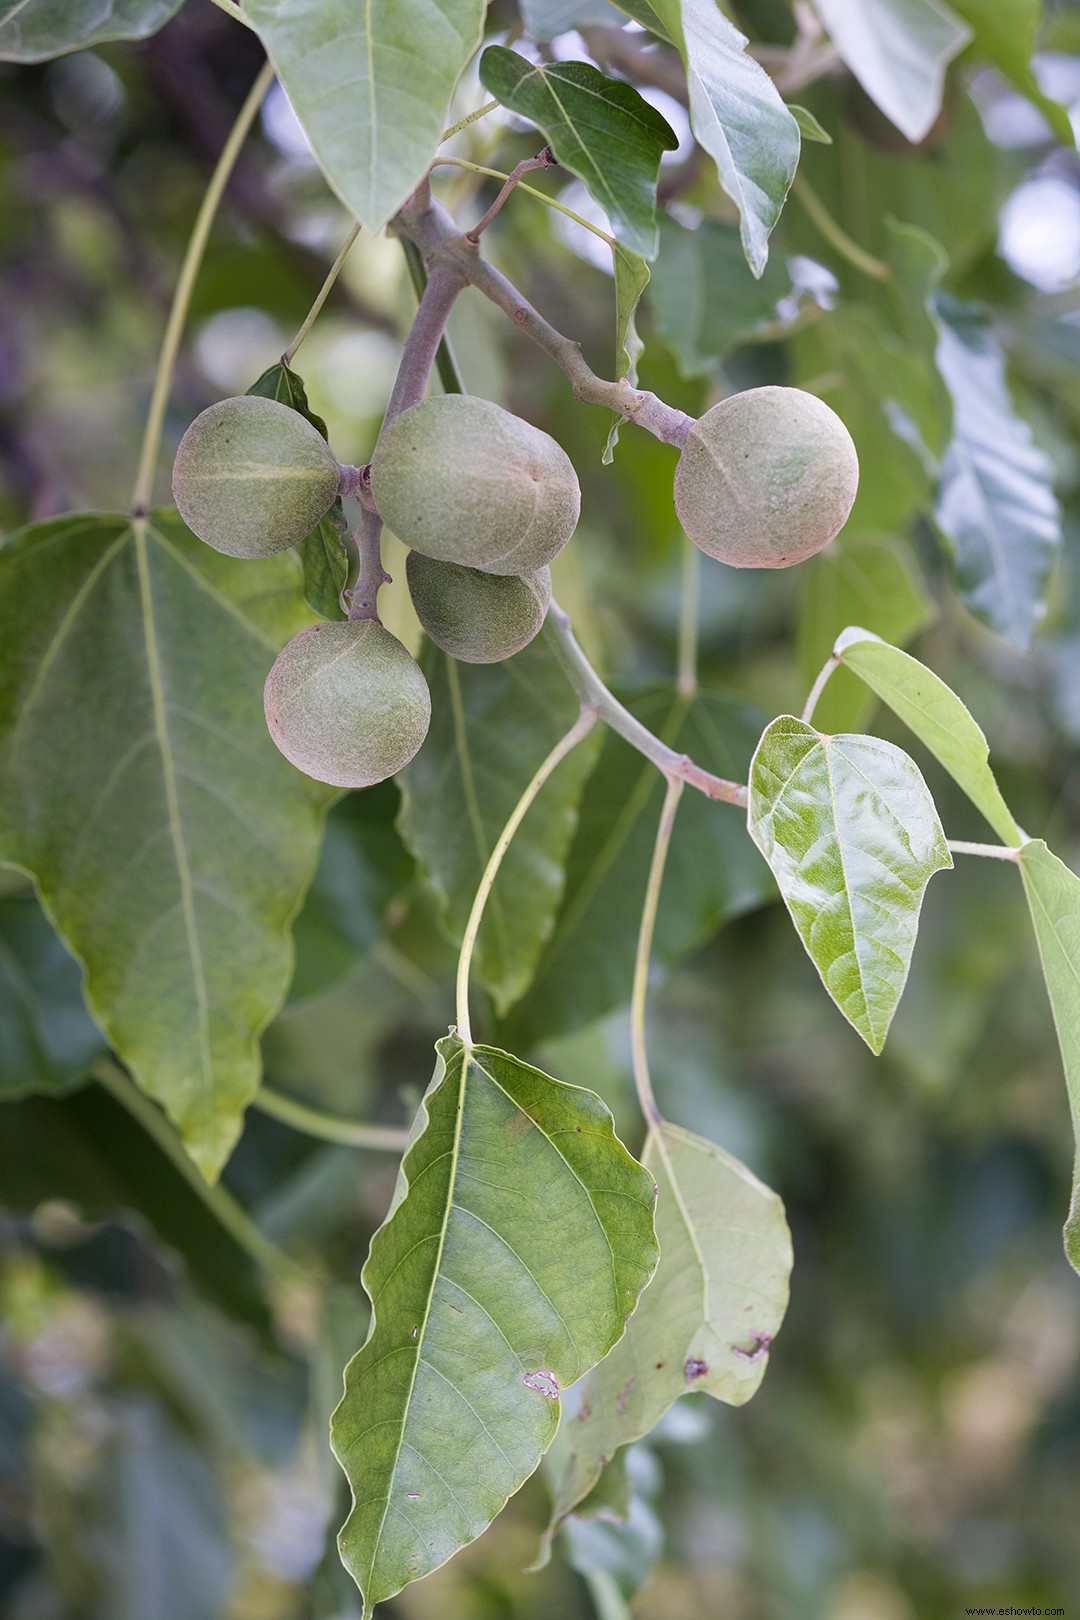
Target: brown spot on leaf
{"x": 693, "y": 1369}
{"x": 623, "y": 1396}
{"x": 544, "y": 1383}
{"x": 586, "y": 1412}
{"x": 517, "y": 1125}
{"x": 759, "y": 1346}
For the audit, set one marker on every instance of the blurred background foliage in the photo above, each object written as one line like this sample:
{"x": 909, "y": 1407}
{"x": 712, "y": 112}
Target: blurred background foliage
{"x": 916, "y": 1445}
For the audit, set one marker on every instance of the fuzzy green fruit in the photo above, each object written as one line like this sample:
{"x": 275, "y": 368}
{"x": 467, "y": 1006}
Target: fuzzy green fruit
{"x": 476, "y": 617}
{"x": 346, "y": 703}
{"x": 463, "y": 481}
{"x": 252, "y": 477}
{"x": 766, "y": 478}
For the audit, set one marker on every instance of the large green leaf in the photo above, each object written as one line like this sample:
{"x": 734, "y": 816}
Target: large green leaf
{"x": 33, "y": 30}
{"x": 996, "y": 501}
{"x": 170, "y": 841}
{"x": 851, "y": 833}
{"x": 47, "y": 1038}
{"x": 899, "y": 51}
{"x": 936, "y": 715}
{"x": 1005, "y": 33}
{"x": 866, "y": 579}
{"x": 712, "y": 872}
{"x": 1053, "y": 894}
{"x": 491, "y": 725}
{"x": 737, "y": 116}
{"x": 518, "y": 1242}
{"x": 601, "y": 129}
{"x": 707, "y": 1319}
{"x": 322, "y": 552}
{"x": 705, "y": 299}
{"x": 371, "y": 85}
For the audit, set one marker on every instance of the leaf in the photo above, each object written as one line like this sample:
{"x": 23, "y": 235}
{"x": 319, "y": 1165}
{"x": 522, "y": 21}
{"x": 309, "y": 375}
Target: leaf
{"x": 519, "y": 1240}
{"x": 616, "y": 1530}
{"x": 899, "y": 51}
{"x": 810, "y": 128}
{"x": 601, "y": 129}
{"x": 546, "y": 19}
{"x": 631, "y": 279}
{"x": 1005, "y": 33}
{"x": 996, "y": 503}
{"x": 712, "y": 873}
{"x": 705, "y": 299}
{"x": 322, "y": 552}
{"x": 47, "y": 1039}
{"x": 937, "y": 717}
{"x": 170, "y": 841}
{"x": 34, "y": 30}
{"x": 491, "y": 725}
{"x": 738, "y": 116}
{"x": 372, "y": 86}
{"x": 1053, "y": 895}
{"x": 866, "y": 579}
{"x": 706, "y": 1320}
{"x": 851, "y": 833}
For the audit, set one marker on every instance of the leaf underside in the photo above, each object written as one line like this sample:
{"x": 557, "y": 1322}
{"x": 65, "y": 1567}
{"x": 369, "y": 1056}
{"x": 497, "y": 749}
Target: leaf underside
{"x": 34, "y": 30}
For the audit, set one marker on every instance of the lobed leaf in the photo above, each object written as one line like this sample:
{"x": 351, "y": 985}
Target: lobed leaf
{"x": 518, "y": 1242}
{"x": 707, "y": 1319}
{"x": 899, "y": 51}
{"x": 850, "y": 831}
{"x": 936, "y": 715}
{"x": 996, "y": 503}
{"x": 34, "y": 30}
{"x": 371, "y": 85}
{"x": 170, "y": 841}
{"x": 1053, "y": 896}
{"x": 738, "y": 117}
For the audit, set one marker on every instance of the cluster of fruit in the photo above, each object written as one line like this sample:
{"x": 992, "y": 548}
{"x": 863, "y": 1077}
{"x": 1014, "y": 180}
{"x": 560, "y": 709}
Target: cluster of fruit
{"x": 485, "y": 501}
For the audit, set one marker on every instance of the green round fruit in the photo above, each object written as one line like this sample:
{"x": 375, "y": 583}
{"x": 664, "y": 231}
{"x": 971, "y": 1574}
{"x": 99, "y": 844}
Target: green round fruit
{"x": 766, "y": 478}
{"x": 476, "y": 617}
{"x": 252, "y": 477}
{"x": 461, "y": 480}
{"x": 346, "y": 703}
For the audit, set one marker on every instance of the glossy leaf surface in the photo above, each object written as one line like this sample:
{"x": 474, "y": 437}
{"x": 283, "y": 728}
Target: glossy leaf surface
{"x": 371, "y": 85}
{"x": 851, "y": 833}
{"x": 1053, "y": 895}
{"x": 705, "y": 1321}
{"x": 738, "y": 117}
{"x": 170, "y": 841}
{"x": 937, "y": 717}
{"x": 601, "y": 129}
{"x": 899, "y": 51}
{"x": 519, "y": 1240}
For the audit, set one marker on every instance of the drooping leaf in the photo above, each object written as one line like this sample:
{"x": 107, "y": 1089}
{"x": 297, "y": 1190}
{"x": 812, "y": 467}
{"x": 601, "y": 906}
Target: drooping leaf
{"x": 519, "y": 1240}
{"x": 996, "y": 503}
{"x": 170, "y": 841}
{"x": 546, "y": 19}
{"x": 738, "y": 117}
{"x": 322, "y": 552}
{"x": 851, "y": 833}
{"x": 1053, "y": 894}
{"x": 47, "y": 1038}
{"x": 371, "y": 85}
{"x": 491, "y": 725}
{"x": 631, "y": 279}
{"x": 937, "y": 717}
{"x": 34, "y": 30}
{"x": 601, "y": 129}
{"x": 1005, "y": 33}
{"x": 899, "y": 51}
{"x": 707, "y": 1319}
{"x": 705, "y": 299}
{"x": 616, "y": 1531}
{"x": 712, "y": 873}
{"x": 866, "y": 579}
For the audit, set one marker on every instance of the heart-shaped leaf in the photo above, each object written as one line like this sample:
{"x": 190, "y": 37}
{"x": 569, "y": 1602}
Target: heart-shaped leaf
{"x": 851, "y": 833}
{"x": 371, "y": 85}
{"x": 34, "y": 30}
{"x": 936, "y": 715}
{"x": 1053, "y": 895}
{"x": 518, "y": 1242}
{"x": 738, "y": 117}
{"x": 898, "y": 50}
{"x": 707, "y": 1319}
{"x": 170, "y": 841}
{"x": 601, "y": 129}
